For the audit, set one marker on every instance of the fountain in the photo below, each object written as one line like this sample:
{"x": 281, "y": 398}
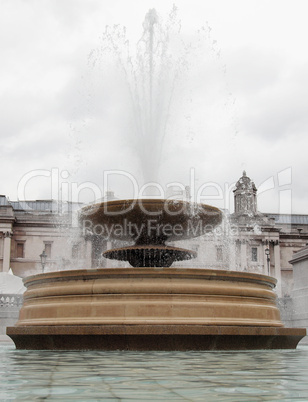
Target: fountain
{"x": 151, "y": 306}
{"x": 150, "y": 223}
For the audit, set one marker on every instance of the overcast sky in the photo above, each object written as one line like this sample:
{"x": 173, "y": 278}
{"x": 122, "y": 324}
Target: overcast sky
{"x": 241, "y": 103}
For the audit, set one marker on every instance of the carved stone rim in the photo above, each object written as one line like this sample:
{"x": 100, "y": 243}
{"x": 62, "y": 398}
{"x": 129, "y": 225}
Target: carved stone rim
{"x": 172, "y": 272}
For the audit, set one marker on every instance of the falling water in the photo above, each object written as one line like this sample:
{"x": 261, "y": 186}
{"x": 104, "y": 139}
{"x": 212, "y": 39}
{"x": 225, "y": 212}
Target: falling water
{"x": 151, "y": 76}
{"x": 154, "y": 69}
{"x": 156, "y": 72}
{"x": 153, "y": 105}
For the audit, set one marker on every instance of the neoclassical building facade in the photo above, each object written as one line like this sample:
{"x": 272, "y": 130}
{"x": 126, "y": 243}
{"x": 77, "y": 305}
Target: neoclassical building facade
{"x": 265, "y": 243}
{"x": 247, "y": 239}
{"x": 29, "y": 227}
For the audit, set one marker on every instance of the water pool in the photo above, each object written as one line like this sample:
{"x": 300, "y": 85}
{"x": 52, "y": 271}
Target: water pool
{"x": 280, "y": 375}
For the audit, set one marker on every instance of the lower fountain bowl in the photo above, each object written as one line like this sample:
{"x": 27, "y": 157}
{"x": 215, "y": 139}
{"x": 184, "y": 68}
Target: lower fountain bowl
{"x": 150, "y": 255}
{"x": 151, "y": 308}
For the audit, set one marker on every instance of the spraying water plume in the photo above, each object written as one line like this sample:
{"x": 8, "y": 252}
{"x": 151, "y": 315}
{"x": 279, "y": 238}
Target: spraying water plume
{"x": 151, "y": 69}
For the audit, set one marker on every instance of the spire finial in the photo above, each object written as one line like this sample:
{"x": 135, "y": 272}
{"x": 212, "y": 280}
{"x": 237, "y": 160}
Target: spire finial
{"x": 244, "y": 173}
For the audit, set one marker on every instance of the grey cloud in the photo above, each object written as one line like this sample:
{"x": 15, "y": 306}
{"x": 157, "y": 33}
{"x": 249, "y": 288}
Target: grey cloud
{"x": 280, "y": 110}
{"x": 251, "y": 69}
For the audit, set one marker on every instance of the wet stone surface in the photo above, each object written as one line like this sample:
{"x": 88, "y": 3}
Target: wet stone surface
{"x": 154, "y": 376}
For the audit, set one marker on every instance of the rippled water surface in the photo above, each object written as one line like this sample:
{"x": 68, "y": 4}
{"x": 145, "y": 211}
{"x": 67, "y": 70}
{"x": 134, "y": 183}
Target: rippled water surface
{"x": 155, "y": 376}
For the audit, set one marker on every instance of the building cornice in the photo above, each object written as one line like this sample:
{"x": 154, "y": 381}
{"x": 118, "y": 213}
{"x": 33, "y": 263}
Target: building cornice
{"x": 294, "y": 236}
{"x": 300, "y": 255}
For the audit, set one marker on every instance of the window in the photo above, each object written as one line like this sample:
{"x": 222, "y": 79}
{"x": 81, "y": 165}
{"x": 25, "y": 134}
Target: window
{"x": 75, "y": 251}
{"x": 48, "y": 249}
{"x": 254, "y": 254}
{"x": 20, "y": 249}
{"x": 237, "y": 250}
{"x": 219, "y": 254}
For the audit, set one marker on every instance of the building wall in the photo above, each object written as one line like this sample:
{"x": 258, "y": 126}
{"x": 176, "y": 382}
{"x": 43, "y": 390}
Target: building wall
{"x": 37, "y": 230}
{"x": 300, "y": 290}
{"x": 35, "y": 241}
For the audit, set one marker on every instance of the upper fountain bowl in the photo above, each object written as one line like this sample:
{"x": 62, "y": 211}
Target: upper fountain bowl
{"x": 150, "y": 221}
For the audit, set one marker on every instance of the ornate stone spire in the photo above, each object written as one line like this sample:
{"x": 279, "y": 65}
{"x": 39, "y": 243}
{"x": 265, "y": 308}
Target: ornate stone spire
{"x": 245, "y": 196}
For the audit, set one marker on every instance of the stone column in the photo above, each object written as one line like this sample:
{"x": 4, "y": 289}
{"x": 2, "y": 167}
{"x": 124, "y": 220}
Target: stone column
{"x": 232, "y": 254}
{"x": 260, "y": 257}
{"x": 7, "y": 251}
{"x": 87, "y": 252}
{"x": 277, "y": 267}
{"x": 265, "y": 269}
{"x": 243, "y": 256}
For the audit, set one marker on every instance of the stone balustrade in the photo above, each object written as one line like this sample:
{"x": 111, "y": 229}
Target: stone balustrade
{"x": 10, "y": 301}
{"x": 10, "y": 305}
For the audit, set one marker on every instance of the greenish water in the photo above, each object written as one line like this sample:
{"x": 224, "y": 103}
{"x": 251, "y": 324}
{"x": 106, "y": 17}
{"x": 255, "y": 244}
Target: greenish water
{"x": 155, "y": 376}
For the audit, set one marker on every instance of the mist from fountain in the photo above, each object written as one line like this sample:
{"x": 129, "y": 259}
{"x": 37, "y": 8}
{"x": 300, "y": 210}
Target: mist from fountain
{"x": 151, "y": 71}
{"x": 156, "y": 72}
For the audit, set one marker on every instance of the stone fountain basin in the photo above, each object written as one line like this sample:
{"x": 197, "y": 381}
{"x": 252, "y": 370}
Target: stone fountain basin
{"x": 150, "y": 221}
{"x": 149, "y": 296}
{"x": 151, "y": 309}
